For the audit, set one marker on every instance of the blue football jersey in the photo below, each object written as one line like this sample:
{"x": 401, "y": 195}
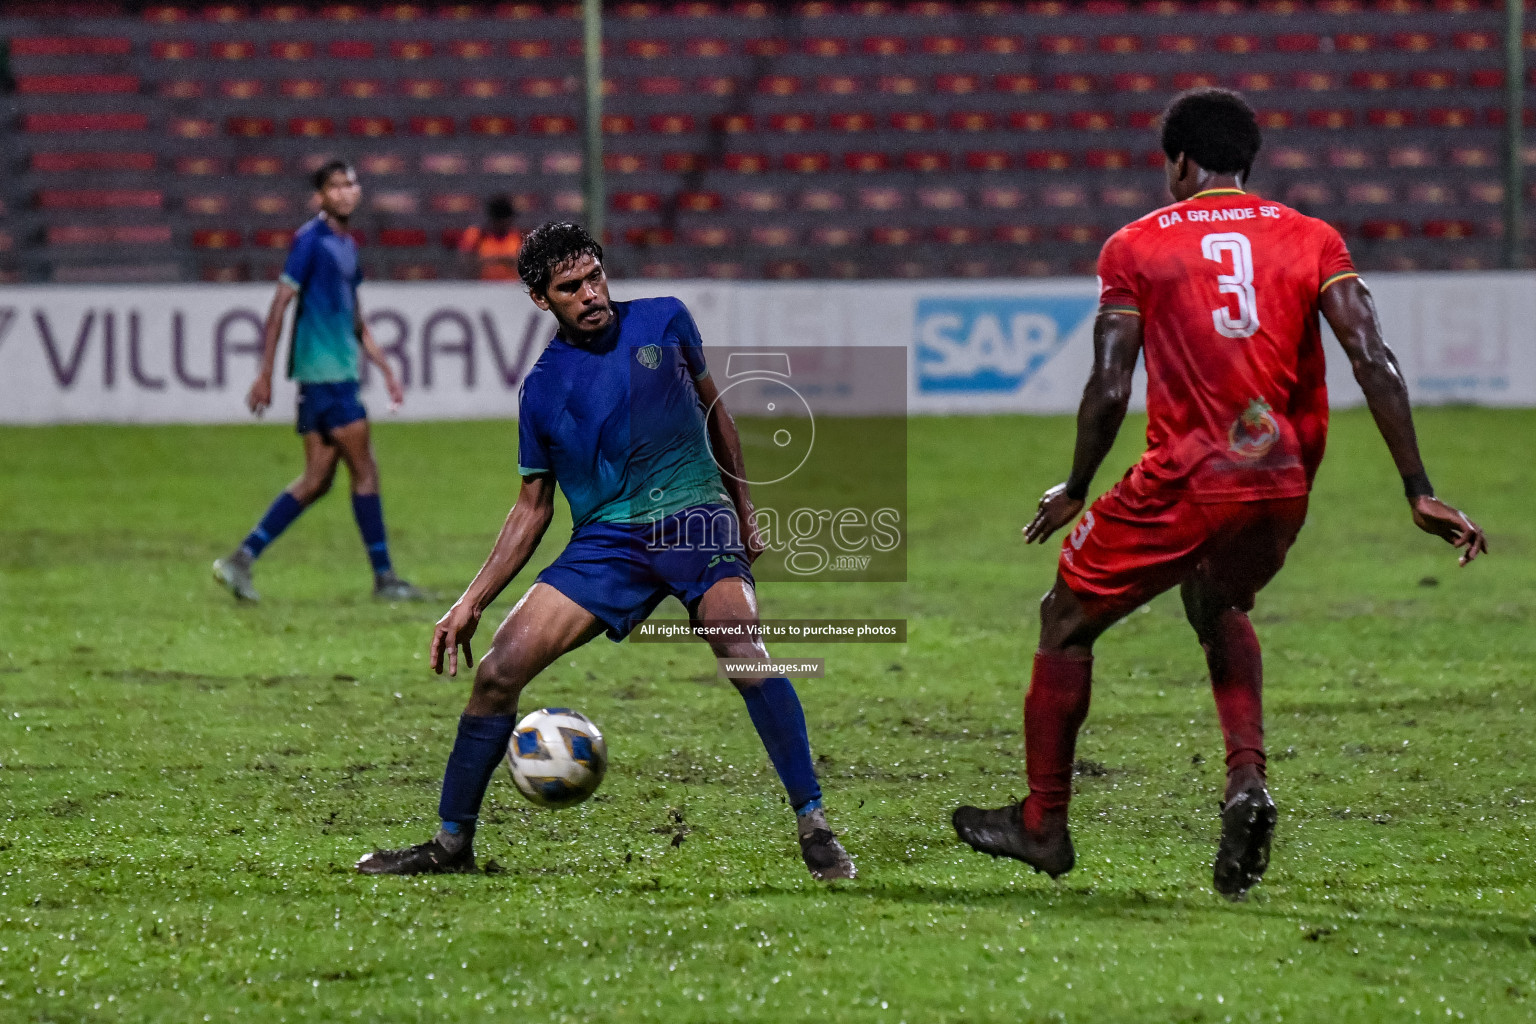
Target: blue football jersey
{"x": 618, "y": 421}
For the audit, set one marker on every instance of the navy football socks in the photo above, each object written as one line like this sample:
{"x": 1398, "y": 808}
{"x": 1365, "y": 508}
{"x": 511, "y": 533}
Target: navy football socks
{"x": 780, "y": 722}
{"x": 368, "y": 510}
{"x": 279, "y": 516}
{"x": 479, "y": 747}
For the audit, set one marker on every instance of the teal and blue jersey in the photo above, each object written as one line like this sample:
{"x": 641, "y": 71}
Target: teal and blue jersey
{"x": 323, "y": 268}
{"x": 618, "y": 421}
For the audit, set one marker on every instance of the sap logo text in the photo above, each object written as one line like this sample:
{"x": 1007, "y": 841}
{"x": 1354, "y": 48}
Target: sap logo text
{"x": 993, "y": 344}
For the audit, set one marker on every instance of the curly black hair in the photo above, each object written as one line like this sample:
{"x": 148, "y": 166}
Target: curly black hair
{"x": 551, "y": 246}
{"x": 323, "y": 174}
{"x": 1216, "y": 128}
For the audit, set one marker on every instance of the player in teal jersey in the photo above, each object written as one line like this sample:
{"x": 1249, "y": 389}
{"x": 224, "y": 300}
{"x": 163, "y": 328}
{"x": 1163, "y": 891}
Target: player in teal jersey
{"x": 322, "y": 270}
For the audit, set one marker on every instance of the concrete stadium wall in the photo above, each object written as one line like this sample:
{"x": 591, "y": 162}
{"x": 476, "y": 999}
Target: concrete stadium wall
{"x": 187, "y": 353}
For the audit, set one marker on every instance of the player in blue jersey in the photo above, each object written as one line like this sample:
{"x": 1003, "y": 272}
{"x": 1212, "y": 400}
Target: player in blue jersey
{"x": 621, "y": 413}
{"x": 322, "y": 270}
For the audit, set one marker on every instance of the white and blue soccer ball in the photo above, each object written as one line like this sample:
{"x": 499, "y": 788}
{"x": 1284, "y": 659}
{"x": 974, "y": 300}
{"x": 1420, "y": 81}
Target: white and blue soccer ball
{"x": 558, "y": 757}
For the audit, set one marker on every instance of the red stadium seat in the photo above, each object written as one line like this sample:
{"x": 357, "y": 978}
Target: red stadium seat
{"x": 711, "y": 236}
{"x": 1298, "y": 42}
{"x": 1031, "y": 120}
{"x": 1062, "y": 46}
{"x": 402, "y": 238}
{"x": 1289, "y": 158}
{"x": 1450, "y": 117}
{"x": 471, "y": 49}
{"x": 956, "y": 234}
{"x": 271, "y": 204}
{"x": 1011, "y": 83}
{"x": 202, "y": 166}
{"x": 943, "y": 46}
{"x": 660, "y": 85}
{"x": 734, "y": 124}
{"x": 1390, "y": 118}
{"x": 709, "y": 48}
{"x": 881, "y": 197}
{"x": 834, "y": 236}
{"x": 988, "y": 160}
{"x": 382, "y": 164}
{"x": 852, "y": 121}
{"x": 138, "y": 234}
{"x": 647, "y": 49}
{"x": 1375, "y": 81}
{"x": 444, "y": 163}
{"x": 1474, "y": 156}
{"x": 1064, "y": 196}
{"x": 699, "y": 202}
{"x": 820, "y": 200}
{"x": 1449, "y": 230}
{"x": 1075, "y": 83}
{"x": 71, "y": 46}
{"x": 745, "y": 163}
{"x": 1433, "y": 78}
{"x": 298, "y": 127}
{"x": 530, "y": 49}
{"x": 1309, "y": 193}
{"x": 76, "y": 84}
{"x": 1195, "y": 80}
{"x": 542, "y": 88}
{"x": 1413, "y": 42}
{"x": 172, "y": 49}
{"x": 1491, "y": 192}
{"x": 52, "y": 162}
{"x": 453, "y": 202}
{"x": 807, "y": 163}
{"x": 1275, "y": 119}
{"x": 1370, "y": 193}
{"x": 837, "y": 85}
{"x": 913, "y": 121}
{"x": 1476, "y": 42}
{"x": 925, "y": 161}
{"x": 1125, "y": 197}
{"x": 99, "y": 199}
{"x": 74, "y": 123}
{"x": 259, "y": 166}
{"x": 866, "y": 162}
{"x": 1091, "y": 120}
{"x": 779, "y": 85}
{"x": 370, "y": 127}
{"x": 765, "y": 47}
{"x": 822, "y": 46}
{"x": 1354, "y": 42}
{"x": 361, "y": 88}
{"x": 1385, "y": 230}
{"x": 482, "y": 88}
{"x": 1349, "y": 158}
{"x": 492, "y": 124}
{"x": 972, "y": 121}
{"x": 434, "y": 127}
{"x": 775, "y": 236}
{"x": 1238, "y": 43}
{"x": 758, "y": 201}
{"x": 944, "y": 197}
{"x": 216, "y": 238}
{"x": 232, "y": 49}
{"x": 1433, "y": 193}
{"x": 1016, "y": 234}
{"x": 1257, "y": 81}
{"x": 1002, "y": 197}
{"x": 899, "y": 85}
{"x": 1486, "y": 78}
{"x": 191, "y": 128}
{"x": 181, "y": 89}
{"x": 1410, "y": 156}
{"x": 957, "y": 85}
{"x": 1107, "y": 159}
{"x": 672, "y": 124}
{"x": 624, "y": 163}
{"x": 1001, "y": 45}
{"x": 793, "y": 124}
{"x": 1047, "y": 160}
{"x": 292, "y": 50}
{"x": 301, "y": 88}
{"x": 682, "y": 162}
{"x": 551, "y": 124}
{"x": 1135, "y": 81}
{"x": 422, "y": 88}
{"x": 1120, "y": 43}
{"x": 1333, "y": 118}
{"x": 1079, "y": 234}
{"x": 883, "y": 46}
{"x": 1178, "y": 43}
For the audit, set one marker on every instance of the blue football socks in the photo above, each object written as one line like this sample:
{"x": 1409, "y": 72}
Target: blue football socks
{"x": 282, "y": 513}
{"x": 478, "y": 749}
{"x": 780, "y": 722}
{"x": 368, "y": 510}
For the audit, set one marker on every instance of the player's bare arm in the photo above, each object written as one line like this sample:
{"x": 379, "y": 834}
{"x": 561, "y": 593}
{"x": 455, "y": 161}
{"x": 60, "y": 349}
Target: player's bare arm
{"x": 260, "y": 395}
{"x": 1116, "y": 347}
{"x": 1351, "y": 312}
{"x": 376, "y": 357}
{"x": 519, "y": 538}
{"x": 725, "y": 442}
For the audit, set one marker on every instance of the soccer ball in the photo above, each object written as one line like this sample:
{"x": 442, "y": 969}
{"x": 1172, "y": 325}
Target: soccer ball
{"x": 558, "y": 757}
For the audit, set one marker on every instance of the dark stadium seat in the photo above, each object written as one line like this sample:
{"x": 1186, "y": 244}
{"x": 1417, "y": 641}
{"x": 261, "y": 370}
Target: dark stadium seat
{"x": 1003, "y": 197}
{"x": 81, "y": 123}
{"x": 264, "y": 166}
{"x": 402, "y": 238}
{"x": 99, "y": 199}
{"x": 82, "y": 84}
{"x": 216, "y": 238}
{"x": 70, "y": 46}
{"x": 95, "y": 160}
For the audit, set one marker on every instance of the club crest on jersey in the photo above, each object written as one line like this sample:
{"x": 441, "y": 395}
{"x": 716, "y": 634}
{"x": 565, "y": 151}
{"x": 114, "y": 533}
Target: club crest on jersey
{"x": 649, "y": 356}
{"x": 1254, "y": 432}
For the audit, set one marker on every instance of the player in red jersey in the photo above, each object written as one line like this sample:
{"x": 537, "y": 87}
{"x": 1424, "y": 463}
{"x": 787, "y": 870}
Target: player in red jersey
{"x": 1222, "y": 291}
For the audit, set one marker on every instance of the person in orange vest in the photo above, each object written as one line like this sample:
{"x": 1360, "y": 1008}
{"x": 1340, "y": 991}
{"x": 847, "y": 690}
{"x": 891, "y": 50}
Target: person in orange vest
{"x": 497, "y": 244}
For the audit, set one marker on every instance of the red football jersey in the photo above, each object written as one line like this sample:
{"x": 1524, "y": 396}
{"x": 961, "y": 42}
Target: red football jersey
{"x": 1227, "y": 286}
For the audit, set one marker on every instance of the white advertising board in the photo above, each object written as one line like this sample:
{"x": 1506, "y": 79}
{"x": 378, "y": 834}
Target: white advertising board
{"x": 188, "y": 353}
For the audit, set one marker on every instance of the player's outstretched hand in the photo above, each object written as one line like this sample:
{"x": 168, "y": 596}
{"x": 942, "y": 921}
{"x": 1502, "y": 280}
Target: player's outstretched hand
{"x": 1451, "y": 525}
{"x": 453, "y": 631}
{"x": 260, "y": 395}
{"x": 1056, "y": 510}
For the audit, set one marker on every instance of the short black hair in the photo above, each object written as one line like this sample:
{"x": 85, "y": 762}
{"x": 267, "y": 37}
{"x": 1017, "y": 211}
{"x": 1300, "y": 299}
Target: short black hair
{"x": 323, "y": 175}
{"x": 1216, "y": 128}
{"x": 551, "y": 246}
{"x": 500, "y": 208}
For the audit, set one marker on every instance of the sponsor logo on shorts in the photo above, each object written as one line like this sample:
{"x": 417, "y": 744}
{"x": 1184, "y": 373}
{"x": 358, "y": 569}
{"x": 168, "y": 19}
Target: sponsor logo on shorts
{"x": 649, "y": 356}
{"x": 1255, "y": 432}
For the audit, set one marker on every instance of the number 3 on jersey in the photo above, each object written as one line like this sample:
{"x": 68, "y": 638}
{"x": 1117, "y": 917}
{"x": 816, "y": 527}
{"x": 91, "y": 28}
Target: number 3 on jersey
{"x": 1239, "y": 284}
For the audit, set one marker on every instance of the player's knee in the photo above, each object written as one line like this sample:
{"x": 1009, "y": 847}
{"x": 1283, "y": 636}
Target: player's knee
{"x": 498, "y": 680}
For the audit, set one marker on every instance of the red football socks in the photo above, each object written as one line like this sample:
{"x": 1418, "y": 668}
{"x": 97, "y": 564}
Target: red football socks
{"x": 1237, "y": 681}
{"x": 1054, "y": 709}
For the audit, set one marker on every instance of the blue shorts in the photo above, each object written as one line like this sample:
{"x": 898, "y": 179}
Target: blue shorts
{"x": 620, "y": 572}
{"x": 329, "y": 406}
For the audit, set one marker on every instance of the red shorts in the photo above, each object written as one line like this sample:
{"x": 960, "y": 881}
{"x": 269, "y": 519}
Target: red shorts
{"x": 1133, "y": 544}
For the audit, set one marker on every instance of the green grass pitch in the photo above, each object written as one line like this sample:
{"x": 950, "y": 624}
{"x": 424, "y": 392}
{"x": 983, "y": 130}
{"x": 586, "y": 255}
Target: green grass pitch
{"x": 187, "y": 783}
